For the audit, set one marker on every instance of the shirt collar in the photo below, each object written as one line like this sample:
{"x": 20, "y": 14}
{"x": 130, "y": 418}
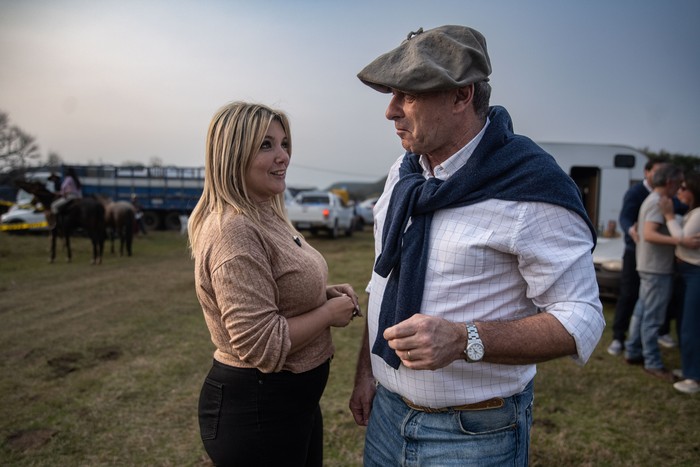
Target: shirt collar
{"x": 456, "y": 161}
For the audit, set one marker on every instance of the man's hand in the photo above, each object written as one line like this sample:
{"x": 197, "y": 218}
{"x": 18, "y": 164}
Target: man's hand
{"x": 426, "y": 342}
{"x": 361, "y": 399}
{"x": 633, "y": 233}
{"x": 365, "y": 385}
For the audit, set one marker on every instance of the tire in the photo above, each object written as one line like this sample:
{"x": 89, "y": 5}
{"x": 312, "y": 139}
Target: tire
{"x": 172, "y": 221}
{"x": 151, "y": 220}
{"x": 334, "y": 231}
{"x": 350, "y": 229}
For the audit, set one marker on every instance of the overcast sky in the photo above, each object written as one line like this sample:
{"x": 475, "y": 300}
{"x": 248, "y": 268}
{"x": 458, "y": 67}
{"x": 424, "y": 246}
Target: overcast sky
{"x": 113, "y": 81}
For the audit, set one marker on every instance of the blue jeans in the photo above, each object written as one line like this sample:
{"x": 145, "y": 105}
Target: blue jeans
{"x": 649, "y": 315}
{"x": 400, "y": 436}
{"x": 690, "y": 328}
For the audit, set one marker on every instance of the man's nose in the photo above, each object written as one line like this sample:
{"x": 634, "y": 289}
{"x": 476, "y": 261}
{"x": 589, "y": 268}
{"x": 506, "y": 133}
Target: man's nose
{"x": 393, "y": 110}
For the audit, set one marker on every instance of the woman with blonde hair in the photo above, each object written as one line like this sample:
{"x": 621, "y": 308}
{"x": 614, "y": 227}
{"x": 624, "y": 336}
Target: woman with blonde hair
{"x": 265, "y": 300}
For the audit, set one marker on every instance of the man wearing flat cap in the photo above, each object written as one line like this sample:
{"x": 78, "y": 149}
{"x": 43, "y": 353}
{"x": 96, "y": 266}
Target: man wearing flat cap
{"x": 483, "y": 267}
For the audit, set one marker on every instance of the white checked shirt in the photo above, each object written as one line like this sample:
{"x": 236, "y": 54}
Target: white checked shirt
{"x": 494, "y": 260}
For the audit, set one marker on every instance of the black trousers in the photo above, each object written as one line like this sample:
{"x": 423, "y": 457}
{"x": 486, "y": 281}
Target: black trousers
{"x": 627, "y": 298}
{"x": 250, "y": 418}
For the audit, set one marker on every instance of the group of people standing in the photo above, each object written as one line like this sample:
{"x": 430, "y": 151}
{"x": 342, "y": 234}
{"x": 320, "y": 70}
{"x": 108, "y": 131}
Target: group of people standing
{"x": 483, "y": 269}
{"x": 661, "y": 267}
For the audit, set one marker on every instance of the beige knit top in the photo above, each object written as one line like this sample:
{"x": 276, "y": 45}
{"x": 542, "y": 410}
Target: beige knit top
{"x": 248, "y": 281}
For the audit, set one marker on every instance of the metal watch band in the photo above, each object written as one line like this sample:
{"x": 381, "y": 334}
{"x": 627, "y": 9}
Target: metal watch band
{"x": 472, "y": 333}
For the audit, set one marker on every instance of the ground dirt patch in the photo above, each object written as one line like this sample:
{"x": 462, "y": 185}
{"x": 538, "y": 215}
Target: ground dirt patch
{"x": 26, "y": 440}
{"x": 65, "y": 363}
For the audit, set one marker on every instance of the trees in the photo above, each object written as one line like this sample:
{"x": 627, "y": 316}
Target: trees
{"x": 687, "y": 162}
{"x": 17, "y": 147}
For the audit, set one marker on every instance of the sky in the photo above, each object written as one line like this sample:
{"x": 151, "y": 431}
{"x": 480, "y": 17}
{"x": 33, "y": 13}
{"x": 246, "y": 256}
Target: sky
{"x": 136, "y": 81}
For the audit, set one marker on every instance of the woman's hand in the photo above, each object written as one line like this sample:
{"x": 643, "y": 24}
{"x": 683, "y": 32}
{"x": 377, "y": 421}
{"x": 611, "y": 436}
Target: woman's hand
{"x": 344, "y": 289}
{"x": 341, "y": 310}
{"x": 337, "y": 311}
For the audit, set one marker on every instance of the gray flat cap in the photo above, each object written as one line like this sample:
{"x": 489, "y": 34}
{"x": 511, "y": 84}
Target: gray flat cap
{"x": 446, "y": 57}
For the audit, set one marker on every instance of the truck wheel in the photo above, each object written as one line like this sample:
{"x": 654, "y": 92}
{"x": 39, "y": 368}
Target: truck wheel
{"x": 151, "y": 220}
{"x": 334, "y": 231}
{"x": 172, "y": 221}
{"x": 350, "y": 229}
{"x": 360, "y": 224}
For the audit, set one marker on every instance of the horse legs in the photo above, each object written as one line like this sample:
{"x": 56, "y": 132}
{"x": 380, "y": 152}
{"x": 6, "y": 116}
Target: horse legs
{"x": 100, "y": 234}
{"x": 126, "y": 235}
{"x": 97, "y": 241}
{"x": 96, "y": 257}
{"x": 129, "y": 233}
{"x": 112, "y": 234}
{"x": 68, "y": 250}
{"x": 54, "y": 234}
{"x": 60, "y": 224}
{"x": 94, "y": 249}
{"x": 100, "y": 245}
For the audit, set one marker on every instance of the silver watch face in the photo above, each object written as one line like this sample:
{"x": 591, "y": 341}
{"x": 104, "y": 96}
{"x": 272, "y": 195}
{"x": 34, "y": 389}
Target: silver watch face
{"x": 475, "y": 351}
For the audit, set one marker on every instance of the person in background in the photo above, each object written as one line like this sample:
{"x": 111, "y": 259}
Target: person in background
{"x": 263, "y": 292}
{"x": 55, "y": 182}
{"x": 138, "y": 214}
{"x": 71, "y": 188}
{"x": 483, "y": 267}
{"x": 629, "y": 277}
{"x": 688, "y": 265}
{"x": 655, "y": 265}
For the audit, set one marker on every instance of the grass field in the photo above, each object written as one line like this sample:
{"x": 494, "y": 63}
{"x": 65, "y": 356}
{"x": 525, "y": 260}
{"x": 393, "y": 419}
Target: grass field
{"x": 102, "y": 366}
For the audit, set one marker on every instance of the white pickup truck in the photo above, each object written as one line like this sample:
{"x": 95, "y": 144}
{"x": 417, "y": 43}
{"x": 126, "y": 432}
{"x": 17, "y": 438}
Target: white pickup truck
{"x": 321, "y": 210}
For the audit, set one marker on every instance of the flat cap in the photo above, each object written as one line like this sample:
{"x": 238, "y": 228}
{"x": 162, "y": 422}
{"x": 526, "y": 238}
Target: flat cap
{"x": 442, "y": 58}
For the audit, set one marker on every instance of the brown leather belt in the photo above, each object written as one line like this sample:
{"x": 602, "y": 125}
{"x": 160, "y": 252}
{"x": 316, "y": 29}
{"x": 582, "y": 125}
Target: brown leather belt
{"x": 495, "y": 403}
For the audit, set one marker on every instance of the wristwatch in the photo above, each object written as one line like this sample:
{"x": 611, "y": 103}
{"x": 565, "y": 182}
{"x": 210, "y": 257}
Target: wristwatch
{"x": 474, "y": 351}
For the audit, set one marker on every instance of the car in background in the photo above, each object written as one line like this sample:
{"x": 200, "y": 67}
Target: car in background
{"x": 321, "y": 210}
{"x": 23, "y": 215}
{"x": 365, "y": 211}
{"x": 23, "y": 218}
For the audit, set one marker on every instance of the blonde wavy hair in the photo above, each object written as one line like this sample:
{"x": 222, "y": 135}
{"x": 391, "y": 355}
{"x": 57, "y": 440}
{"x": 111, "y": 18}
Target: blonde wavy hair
{"x": 235, "y": 135}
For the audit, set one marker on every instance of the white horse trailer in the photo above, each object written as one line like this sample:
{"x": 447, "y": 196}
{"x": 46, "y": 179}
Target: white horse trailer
{"x": 603, "y": 173}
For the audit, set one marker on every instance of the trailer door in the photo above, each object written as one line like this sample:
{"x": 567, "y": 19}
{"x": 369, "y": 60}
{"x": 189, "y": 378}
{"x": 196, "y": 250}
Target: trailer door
{"x": 588, "y": 181}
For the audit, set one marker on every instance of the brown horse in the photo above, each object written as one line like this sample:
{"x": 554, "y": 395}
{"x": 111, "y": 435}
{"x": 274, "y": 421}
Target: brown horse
{"x": 119, "y": 219}
{"x": 85, "y": 213}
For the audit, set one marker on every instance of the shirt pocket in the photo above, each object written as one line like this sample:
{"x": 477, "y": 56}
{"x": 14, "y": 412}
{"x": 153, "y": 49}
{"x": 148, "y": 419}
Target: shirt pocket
{"x": 458, "y": 249}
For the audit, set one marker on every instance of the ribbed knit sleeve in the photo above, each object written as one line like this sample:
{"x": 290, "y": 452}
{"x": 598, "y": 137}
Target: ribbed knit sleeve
{"x": 249, "y": 281}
